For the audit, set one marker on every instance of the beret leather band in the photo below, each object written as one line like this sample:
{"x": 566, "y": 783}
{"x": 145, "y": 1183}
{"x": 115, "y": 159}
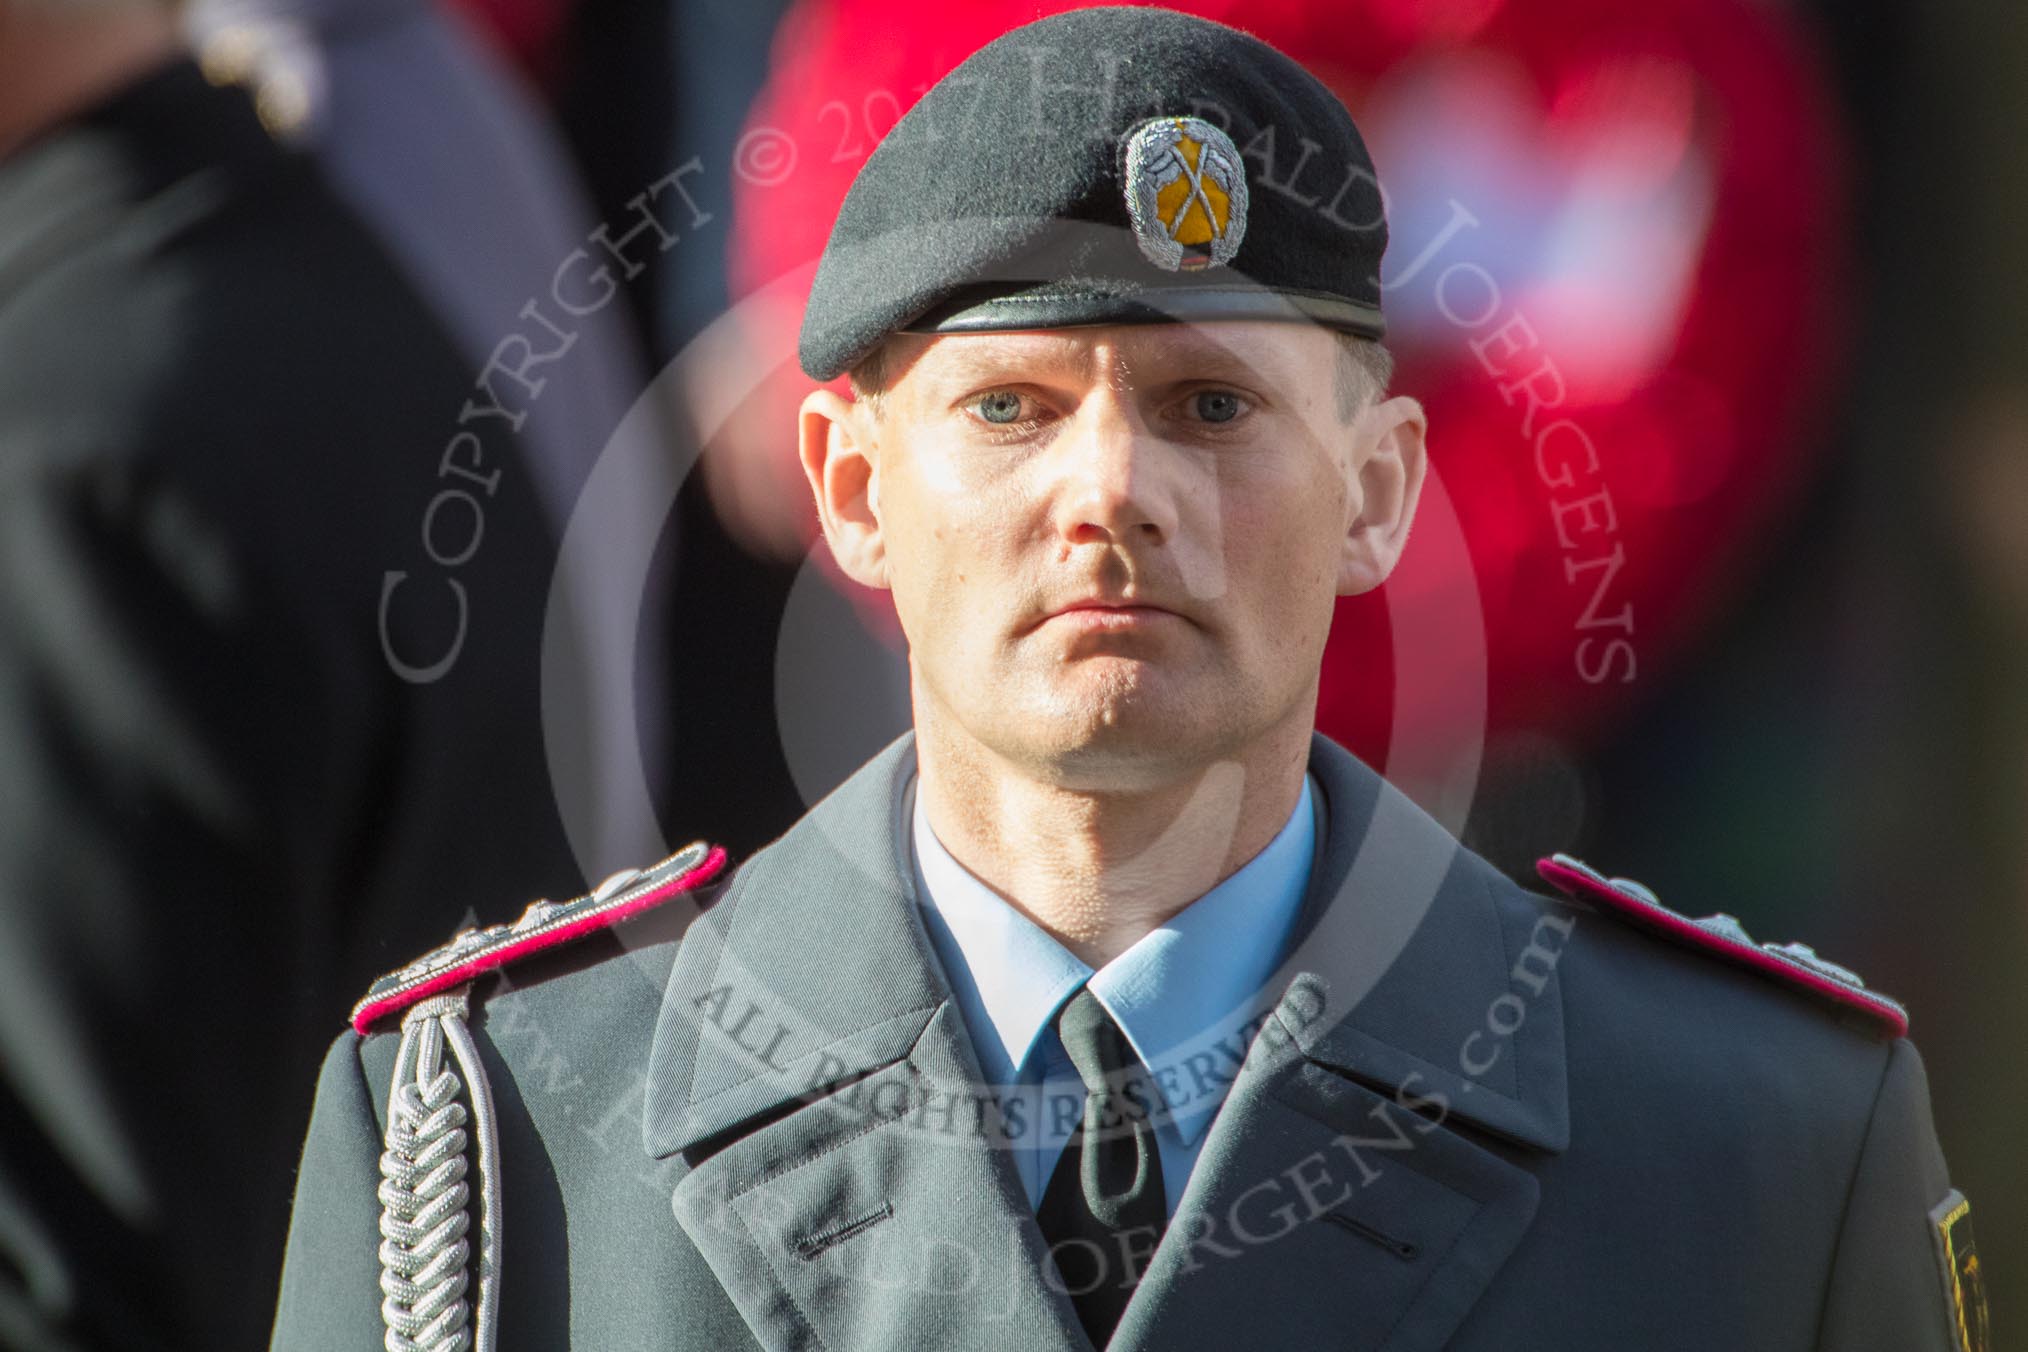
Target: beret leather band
{"x": 996, "y": 312}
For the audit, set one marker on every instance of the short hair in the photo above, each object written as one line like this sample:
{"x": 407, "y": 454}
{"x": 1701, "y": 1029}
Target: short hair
{"x": 868, "y": 378}
{"x": 1365, "y": 366}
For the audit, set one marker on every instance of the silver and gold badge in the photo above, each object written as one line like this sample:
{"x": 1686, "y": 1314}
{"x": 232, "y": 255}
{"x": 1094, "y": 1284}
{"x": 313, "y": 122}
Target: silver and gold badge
{"x": 1186, "y": 192}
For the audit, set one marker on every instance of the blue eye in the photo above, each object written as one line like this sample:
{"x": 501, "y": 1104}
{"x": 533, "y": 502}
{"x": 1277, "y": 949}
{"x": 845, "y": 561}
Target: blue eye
{"x": 1000, "y": 407}
{"x": 1216, "y": 406}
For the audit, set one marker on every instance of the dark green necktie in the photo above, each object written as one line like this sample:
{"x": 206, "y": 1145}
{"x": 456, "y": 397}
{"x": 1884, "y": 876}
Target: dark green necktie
{"x": 1104, "y": 1210}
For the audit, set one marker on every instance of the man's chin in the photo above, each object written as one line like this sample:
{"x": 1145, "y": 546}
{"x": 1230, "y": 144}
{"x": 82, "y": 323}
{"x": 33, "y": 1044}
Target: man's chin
{"x": 1119, "y": 743}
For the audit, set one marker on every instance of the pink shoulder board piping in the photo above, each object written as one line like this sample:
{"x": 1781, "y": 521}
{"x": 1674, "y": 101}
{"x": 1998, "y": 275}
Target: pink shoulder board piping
{"x": 1793, "y": 964}
{"x": 545, "y": 924}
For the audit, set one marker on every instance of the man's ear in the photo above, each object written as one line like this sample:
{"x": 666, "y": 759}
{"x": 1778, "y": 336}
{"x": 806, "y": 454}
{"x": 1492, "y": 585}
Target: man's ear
{"x": 837, "y": 453}
{"x": 1388, "y": 463}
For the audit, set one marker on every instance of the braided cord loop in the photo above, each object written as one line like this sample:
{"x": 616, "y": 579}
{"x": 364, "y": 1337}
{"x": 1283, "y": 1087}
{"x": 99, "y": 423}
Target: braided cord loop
{"x": 425, "y": 1201}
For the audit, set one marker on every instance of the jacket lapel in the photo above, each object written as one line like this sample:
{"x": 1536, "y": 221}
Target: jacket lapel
{"x": 1363, "y": 1183}
{"x": 1325, "y": 1208}
{"x": 1367, "y": 1176}
{"x": 810, "y": 1065}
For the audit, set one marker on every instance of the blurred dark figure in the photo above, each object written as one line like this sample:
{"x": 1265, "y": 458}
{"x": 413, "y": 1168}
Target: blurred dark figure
{"x": 269, "y": 690}
{"x": 449, "y": 159}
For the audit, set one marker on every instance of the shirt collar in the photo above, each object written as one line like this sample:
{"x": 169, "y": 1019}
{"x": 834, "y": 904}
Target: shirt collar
{"x": 1183, "y": 991}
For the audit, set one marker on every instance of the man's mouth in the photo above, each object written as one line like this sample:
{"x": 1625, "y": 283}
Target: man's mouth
{"x": 1108, "y": 617}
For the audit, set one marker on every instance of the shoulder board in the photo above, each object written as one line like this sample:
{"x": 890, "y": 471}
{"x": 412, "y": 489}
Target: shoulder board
{"x": 544, "y": 925}
{"x": 1722, "y": 935}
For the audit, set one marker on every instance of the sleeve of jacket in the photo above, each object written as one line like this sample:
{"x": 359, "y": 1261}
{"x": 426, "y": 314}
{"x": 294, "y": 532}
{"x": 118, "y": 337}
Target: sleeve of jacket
{"x": 1886, "y": 1291}
{"x": 330, "y": 1295}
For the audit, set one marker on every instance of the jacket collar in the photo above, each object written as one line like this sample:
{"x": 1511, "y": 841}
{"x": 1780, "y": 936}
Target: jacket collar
{"x": 840, "y": 1177}
{"x": 1418, "y": 969}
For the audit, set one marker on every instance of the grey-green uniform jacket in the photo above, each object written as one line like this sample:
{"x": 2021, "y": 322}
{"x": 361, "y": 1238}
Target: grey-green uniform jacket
{"x": 1471, "y": 1117}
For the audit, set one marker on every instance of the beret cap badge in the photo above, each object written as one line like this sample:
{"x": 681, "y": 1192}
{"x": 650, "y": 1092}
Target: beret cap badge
{"x": 1185, "y": 186}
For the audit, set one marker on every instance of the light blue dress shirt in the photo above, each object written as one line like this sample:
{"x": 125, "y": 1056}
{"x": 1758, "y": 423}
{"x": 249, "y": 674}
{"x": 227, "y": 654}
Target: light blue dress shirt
{"x": 1188, "y": 995}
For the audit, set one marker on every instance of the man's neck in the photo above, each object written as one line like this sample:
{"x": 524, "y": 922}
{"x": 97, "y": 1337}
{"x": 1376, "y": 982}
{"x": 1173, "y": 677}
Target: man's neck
{"x": 55, "y": 64}
{"x": 1100, "y": 869}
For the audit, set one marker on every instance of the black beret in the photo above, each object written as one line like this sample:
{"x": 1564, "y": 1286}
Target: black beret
{"x": 1102, "y": 166}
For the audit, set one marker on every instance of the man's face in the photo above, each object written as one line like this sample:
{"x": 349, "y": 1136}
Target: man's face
{"x": 1115, "y": 551}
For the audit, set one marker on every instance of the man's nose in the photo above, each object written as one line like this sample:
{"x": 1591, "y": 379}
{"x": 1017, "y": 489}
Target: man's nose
{"x": 1115, "y": 482}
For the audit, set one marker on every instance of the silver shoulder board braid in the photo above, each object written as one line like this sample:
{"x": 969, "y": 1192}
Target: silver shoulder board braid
{"x": 425, "y": 1202}
{"x": 426, "y": 1213}
{"x": 476, "y": 950}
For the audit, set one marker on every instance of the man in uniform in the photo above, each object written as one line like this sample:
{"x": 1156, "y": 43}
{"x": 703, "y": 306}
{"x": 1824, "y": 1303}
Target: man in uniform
{"x": 1114, "y": 1006}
